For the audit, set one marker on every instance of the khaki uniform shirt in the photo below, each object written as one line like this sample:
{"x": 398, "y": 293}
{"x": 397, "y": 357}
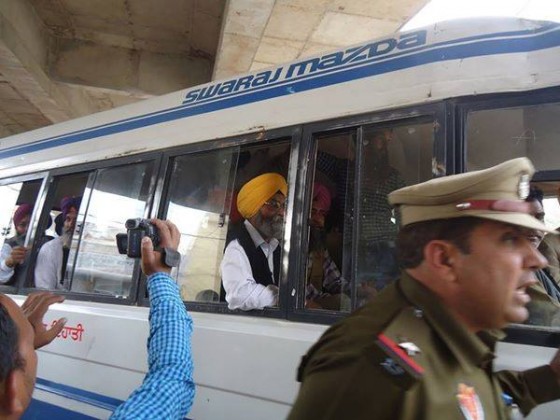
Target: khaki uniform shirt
{"x": 403, "y": 356}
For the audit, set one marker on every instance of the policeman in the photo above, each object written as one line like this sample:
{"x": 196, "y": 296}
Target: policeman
{"x": 423, "y": 348}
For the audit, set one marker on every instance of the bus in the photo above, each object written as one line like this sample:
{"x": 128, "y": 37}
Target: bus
{"x": 453, "y": 97}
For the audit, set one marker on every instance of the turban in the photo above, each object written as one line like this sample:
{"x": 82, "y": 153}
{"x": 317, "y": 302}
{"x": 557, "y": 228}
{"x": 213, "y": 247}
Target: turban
{"x": 22, "y": 211}
{"x": 321, "y": 196}
{"x": 254, "y": 193}
{"x": 67, "y": 203}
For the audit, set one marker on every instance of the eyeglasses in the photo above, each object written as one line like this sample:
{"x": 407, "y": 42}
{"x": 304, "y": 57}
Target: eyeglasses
{"x": 275, "y": 205}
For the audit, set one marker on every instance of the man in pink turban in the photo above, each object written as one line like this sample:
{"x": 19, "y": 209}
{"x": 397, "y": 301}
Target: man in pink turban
{"x": 13, "y": 251}
{"x": 325, "y": 287}
{"x": 251, "y": 265}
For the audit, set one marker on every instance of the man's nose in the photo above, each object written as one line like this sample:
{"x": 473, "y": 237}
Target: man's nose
{"x": 536, "y": 260}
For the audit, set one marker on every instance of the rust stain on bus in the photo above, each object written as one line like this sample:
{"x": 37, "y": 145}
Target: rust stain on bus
{"x": 127, "y": 152}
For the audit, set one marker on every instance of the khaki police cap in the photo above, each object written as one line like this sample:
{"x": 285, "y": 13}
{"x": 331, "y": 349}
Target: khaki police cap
{"x": 496, "y": 193}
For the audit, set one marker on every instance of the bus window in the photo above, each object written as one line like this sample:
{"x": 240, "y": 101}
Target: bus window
{"x": 198, "y": 203}
{"x": 328, "y": 261}
{"x": 53, "y": 262}
{"x": 392, "y": 157}
{"x": 250, "y": 268}
{"x": 496, "y": 135}
{"x": 16, "y": 208}
{"x": 119, "y": 193}
{"x": 544, "y": 307}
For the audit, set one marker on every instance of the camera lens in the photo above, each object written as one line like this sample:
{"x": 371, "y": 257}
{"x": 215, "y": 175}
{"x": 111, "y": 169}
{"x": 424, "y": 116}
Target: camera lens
{"x": 132, "y": 223}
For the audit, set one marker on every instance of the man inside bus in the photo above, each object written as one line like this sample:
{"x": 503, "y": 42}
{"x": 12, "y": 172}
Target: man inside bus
{"x": 53, "y": 256}
{"x": 167, "y": 391}
{"x": 550, "y": 248}
{"x": 544, "y": 307}
{"x": 325, "y": 288}
{"x": 377, "y": 256}
{"x": 13, "y": 251}
{"x": 423, "y": 347}
{"x": 250, "y": 267}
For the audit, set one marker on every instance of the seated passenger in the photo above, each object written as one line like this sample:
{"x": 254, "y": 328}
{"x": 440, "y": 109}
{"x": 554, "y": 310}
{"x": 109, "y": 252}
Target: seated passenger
{"x": 53, "y": 256}
{"x": 325, "y": 286}
{"x": 250, "y": 268}
{"x": 13, "y": 252}
{"x": 550, "y": 248}
{"x": 544, "y": 307}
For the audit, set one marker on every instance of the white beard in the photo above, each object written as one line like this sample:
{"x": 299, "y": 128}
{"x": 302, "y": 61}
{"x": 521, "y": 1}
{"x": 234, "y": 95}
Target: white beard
{"x": 66, "y": 239}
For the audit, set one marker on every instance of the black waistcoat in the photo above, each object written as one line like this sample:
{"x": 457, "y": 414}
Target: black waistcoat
{"x": 257, "y": 258}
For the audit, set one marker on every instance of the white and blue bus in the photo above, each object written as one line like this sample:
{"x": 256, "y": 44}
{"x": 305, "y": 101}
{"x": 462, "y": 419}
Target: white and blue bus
{"x": 454, "y": 97}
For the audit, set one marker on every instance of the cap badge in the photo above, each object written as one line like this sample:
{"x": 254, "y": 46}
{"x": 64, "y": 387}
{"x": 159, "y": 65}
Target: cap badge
{"x": 410, "y": 348}
{"x": 524, "y": 186}
{"x": 469, "y": 402}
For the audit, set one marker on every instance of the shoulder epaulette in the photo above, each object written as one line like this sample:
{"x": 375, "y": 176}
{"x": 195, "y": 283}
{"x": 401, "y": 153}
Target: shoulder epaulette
{"x": 397, "y": 349}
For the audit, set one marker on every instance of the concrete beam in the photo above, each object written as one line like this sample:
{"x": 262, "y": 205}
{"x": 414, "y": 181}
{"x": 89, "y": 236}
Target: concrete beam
{"x": 23, "y": 52}
{"x": 259, "y": 34}
{"x": 117, "y": 68}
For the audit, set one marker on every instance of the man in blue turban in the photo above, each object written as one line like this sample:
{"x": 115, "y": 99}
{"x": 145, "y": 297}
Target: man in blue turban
{"x": 53, "y": 256}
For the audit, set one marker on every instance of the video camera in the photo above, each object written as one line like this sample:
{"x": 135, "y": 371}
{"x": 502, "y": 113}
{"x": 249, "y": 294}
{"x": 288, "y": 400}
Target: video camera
{"x": 130, "y": 243}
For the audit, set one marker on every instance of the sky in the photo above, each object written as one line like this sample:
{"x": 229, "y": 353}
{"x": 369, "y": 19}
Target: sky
{"x": 440, "y": 10}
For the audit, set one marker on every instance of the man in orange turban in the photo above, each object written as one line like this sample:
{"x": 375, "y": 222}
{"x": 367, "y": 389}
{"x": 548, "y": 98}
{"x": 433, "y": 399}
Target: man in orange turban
{"x": 251, "y": 265}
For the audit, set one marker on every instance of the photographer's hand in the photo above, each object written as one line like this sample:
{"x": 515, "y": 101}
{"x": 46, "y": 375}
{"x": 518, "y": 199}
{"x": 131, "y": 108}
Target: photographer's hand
{"x": 169, "y": 237}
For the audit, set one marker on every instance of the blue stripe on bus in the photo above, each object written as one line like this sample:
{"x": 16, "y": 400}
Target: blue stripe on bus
{"x": 428, "y": 54}
{"x": 40, "y": 410}
{"x": 77, "y": 394}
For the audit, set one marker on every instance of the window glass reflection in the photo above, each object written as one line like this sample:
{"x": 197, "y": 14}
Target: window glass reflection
{"x": 118, "y": 194}
{"x": 198, "y": 199}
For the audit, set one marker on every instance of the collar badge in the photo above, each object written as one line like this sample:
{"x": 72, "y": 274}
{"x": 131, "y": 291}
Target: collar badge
{"x": 410, "y": 348}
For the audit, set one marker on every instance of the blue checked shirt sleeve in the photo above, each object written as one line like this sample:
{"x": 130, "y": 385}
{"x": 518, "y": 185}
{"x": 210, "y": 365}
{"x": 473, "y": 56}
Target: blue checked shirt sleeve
{"x": 168, "y": 388}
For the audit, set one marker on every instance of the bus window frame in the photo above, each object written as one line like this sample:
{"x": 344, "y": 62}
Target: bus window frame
{"x": 290, "y": 134}
{"x": 438, "y": 111}
{"x": 48, "y": 201}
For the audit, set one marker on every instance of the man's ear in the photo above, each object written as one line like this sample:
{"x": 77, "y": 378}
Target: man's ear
{"x": 10, "y": 400}
{"x": 440, "y": 256}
